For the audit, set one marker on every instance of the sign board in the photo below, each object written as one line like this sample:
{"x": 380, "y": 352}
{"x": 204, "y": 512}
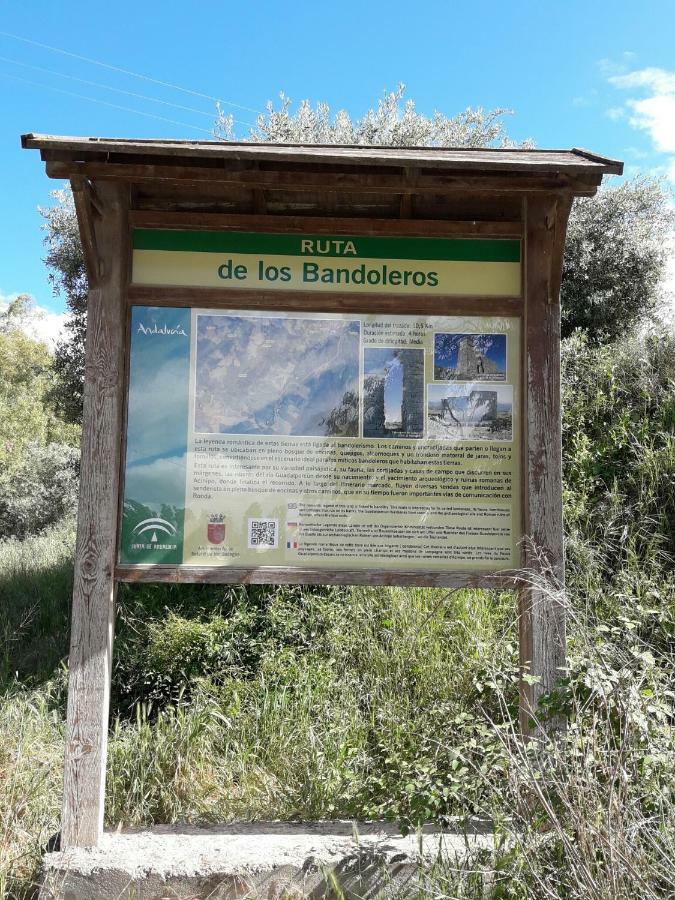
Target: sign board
{"x": 315, "y": 365}
{"x": 319, "y": 262}
{"x": 323, "y": 440}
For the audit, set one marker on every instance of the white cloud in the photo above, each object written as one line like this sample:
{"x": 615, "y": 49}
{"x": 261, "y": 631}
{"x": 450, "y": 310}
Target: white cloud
{"x": 636, "y": 153}
{"x": 47, "y": 326}
{"x": 656, "y": 116}
{"x": 616, "y": 66}
{"x": 160, "y": 481}
{"x": 659, "y": 80}
{"x": 651, "y": 108}
{"x": 41, "y": 324}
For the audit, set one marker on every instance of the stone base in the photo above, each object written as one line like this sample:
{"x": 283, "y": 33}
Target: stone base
{"x": 259, "y": 860}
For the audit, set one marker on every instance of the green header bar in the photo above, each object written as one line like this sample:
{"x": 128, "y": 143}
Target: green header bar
{"x": 331, "y": 246}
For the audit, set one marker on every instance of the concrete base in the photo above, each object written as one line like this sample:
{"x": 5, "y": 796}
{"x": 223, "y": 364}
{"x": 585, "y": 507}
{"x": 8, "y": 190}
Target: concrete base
{"x": 261, "y": 860}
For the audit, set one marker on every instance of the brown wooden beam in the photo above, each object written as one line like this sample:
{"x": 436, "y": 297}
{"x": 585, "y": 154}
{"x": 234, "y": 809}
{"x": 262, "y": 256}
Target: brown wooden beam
{"x": 308, "y": 301}
{"x": 262, "y": 153}
{"x": 86, "y": 212}
{"x": 285, "y": 575}
{"x": 542, "y": 610}
{"x": 95, "y": 552}
{"x": 326, "y": 224}
{"x": 330, "y": 181}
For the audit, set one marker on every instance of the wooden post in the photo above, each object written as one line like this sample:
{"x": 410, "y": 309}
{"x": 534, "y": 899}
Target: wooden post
{"x": 94, "y": 585}
{"x": 542, "y": 613}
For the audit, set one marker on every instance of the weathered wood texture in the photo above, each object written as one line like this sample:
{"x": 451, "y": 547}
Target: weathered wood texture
{"x": 213, "y": 197}
{"x": 86, "y": 213}
{"x": 486, "y": 159}
{"x": 337, "y": 181}
{"x": 287, "y": 575}
{"x": 319, "y": 225}
{"x": 308, "y": 301}
{"x": 542, "y": 611}
{"x": 94, "y": 585}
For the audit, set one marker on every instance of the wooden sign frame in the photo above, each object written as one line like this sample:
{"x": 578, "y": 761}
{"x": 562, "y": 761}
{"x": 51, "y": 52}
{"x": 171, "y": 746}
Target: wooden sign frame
{"x": 120, "y": 185}
{"x": 312, "y": 302}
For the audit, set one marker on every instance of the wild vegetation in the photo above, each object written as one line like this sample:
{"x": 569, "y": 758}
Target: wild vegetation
{"x": 295, "y": 703}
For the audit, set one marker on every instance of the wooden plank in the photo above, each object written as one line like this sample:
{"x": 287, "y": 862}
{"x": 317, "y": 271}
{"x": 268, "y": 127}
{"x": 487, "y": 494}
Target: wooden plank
{"x": 467, "y": 157}
{"x": 307, "y": 301}
{"x": 328, "y": 181}
{"x": 542, "y": 620}
{"x": 406, "y": 206}
{"x": 326, "y": 225}
{"x": 259, "y": 201}
{"x": 612, "y": 166}
{"x": 406, "y": 201}
{"x": 381, "y": 205}
{"x": 286, "y": 575}
{"x": 94, "y": 586}
{"x": 217, "y": 198}
{"x": 84, "y": 208}
{"x": 176, "y": 196}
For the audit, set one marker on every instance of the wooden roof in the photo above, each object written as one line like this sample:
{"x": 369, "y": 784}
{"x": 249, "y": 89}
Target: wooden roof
{"x": 196, "y": 153}
{"x": 225, "y": 184}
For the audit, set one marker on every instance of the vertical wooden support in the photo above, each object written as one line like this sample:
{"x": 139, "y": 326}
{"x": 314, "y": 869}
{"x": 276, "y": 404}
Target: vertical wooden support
{"x": 542, "y": 613}
{"x": 94, "y": 585}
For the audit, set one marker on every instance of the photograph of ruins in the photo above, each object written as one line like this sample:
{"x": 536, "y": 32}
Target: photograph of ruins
{"x": 393, "y": 392}
{"x": 469, "y": 357}
{"x": 470, "y": 412}
{"x": 277, "y": 375}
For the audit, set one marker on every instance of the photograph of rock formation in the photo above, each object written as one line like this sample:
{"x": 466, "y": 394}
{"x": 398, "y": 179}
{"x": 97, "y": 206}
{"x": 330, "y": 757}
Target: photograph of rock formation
{"x": 469, "y": 357}
{"x": 277, "y": 376}
{"x": 393, "y": 392}
{"x": 470, "y": 412}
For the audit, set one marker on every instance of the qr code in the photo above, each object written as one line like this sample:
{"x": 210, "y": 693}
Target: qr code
{"x": 263, "y": 534}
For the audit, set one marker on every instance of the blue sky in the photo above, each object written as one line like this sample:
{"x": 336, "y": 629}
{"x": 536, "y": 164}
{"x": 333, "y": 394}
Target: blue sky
{"x": 156, "y": 435}
{"x": 574, "y": 73}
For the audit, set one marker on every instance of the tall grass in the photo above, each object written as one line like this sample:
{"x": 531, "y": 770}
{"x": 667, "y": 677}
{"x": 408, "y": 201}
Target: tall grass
{"x": 36, "y": 577}
{"x": 338, "y": 712}
{"x": 31, "y": 750}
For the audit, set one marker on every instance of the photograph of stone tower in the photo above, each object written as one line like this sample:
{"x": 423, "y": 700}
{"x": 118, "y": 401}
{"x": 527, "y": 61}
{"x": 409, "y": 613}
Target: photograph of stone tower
{"x": 393, "y": 392}
{"x": 470, "y": 412}
{"x": 469, "y": 357}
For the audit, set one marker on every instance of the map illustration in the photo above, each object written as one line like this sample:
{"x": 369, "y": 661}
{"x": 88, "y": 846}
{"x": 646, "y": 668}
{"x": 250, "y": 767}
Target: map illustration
{"x": 277, "y": 376}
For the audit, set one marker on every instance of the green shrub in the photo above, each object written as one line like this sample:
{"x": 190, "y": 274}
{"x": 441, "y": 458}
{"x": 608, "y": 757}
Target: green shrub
{"x": 617, "y": 245}
{"x": 316, "y": 703}
{"x": 40, "y": 490}
{"x": 26, "y": 379}
{"x": 619, "y": 480}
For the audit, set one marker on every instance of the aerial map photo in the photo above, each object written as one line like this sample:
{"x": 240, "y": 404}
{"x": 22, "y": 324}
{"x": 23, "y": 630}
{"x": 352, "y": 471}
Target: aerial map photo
{"x": 277, "y": 375}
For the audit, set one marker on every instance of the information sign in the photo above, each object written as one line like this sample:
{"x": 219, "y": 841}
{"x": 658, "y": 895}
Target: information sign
{"x": 322, "y": 440}
{"x": 315, "y": 365}
{"x": 356, "y": 264}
